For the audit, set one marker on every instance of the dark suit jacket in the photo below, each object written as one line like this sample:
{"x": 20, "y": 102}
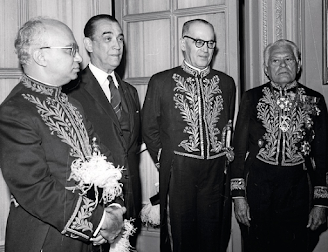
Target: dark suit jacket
{"x": 100, "y": 112}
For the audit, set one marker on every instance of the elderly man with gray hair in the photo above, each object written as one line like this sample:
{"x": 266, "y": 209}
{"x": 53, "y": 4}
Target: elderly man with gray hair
{"x": 279, "y": 173}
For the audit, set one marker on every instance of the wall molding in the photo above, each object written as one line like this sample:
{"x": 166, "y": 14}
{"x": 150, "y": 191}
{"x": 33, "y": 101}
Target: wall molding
{"x": 279, "y": 9}
{"x": 22, "y": 7}
{"x": 10, "y": 73}
{"x": 95, "y": 7}
{"x": 265, "y": 22}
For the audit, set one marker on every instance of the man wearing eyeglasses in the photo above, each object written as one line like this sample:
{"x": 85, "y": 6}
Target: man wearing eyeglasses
{"x": 42, "y": 132}
{"x": 279, "y": 173}
{"x": 186, "y": 120}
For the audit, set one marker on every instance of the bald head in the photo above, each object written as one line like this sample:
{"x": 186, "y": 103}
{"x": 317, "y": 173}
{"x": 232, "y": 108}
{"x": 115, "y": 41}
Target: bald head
{"x": 36, "y": 33}
{"x": 47, "y": 51}
{"x": 55, "y": 28}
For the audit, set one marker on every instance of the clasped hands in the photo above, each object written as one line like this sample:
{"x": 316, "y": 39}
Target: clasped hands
{"x": 112, "y": 225}
{"x": 317, "y": 215}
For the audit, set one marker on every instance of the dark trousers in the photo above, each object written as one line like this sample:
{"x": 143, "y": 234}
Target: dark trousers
{"x": 278, "y": 198}
{"x": 196, "y": 197}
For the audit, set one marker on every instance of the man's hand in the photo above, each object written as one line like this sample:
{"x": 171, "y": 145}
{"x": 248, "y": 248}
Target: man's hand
{"x": 317, "y": 217}
{"x": 242, "y": 211}
{"x": 113, "y": 223}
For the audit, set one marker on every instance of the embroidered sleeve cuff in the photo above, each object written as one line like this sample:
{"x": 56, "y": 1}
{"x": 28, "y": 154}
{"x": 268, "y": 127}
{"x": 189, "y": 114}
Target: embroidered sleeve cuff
{"x": 238, "y": 188}
{"x": 80, "y": 225}
{"x": 320, "y": 197}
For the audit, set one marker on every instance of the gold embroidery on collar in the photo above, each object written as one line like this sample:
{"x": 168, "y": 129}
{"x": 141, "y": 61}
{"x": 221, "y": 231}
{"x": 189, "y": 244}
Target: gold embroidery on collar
{"x": 194, "y": 72}
{"x": 37, "y": 86}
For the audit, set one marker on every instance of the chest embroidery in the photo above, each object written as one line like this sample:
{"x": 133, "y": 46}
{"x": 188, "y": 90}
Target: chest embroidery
{"x": 200, "y": 103}
{"x": 288, "y": 122}
{"x": 64, "y": 120}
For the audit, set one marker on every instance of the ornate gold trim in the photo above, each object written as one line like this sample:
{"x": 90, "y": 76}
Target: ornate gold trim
{"x": 237, "y": 184}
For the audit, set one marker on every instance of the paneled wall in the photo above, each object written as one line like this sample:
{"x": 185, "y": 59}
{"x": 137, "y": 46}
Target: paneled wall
{"x": 265, "y": 22}
{"x": 13, "y": 13}
{"x": 298, "y": 20}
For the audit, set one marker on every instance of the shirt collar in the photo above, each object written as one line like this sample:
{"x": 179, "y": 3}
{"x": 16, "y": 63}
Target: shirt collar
{"x": 101, "y": 75}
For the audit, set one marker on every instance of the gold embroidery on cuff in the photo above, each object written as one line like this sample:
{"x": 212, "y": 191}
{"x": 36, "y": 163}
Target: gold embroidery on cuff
{"x": 237, "y": 184}
{"x": 320, "y": 192}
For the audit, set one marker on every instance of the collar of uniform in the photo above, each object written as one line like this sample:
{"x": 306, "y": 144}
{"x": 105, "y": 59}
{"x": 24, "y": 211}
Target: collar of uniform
{"x": 40, "y": 87}
{"x": 195, "y": 71}
{"x": 101, "y": 75}
{"x": 287, "y": 87}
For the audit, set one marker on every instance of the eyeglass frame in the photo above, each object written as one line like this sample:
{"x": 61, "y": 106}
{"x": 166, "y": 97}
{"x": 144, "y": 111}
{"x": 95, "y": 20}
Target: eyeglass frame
{"x": 74, "y": 48}
{"x": 202, "y": 42}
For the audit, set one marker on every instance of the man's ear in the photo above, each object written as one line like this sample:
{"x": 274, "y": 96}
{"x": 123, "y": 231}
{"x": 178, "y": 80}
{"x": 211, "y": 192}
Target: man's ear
{"x": 299, "y": 66}
{"x": 183, "y": 44}
{"x": 265, "y": 70}
{"x": 38, "y": 57}
{"x": 88, "y": 44}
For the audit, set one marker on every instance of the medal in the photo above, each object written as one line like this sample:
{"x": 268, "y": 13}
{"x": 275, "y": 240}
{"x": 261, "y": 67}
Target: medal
{"x": 284, "y": 103}
{"x": 284, "y": 123}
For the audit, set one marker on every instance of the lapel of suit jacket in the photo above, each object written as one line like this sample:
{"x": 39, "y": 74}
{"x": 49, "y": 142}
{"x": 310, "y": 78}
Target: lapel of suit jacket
{"x": 93, "y": 88}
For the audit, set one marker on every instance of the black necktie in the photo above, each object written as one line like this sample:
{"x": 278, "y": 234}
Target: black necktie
{"x": 115, "y": 99}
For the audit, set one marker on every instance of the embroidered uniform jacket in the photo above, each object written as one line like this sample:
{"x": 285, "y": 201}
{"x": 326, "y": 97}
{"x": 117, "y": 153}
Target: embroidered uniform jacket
{"x": 102, "y": 116}
{"x": 184, "y": 114}
{"x": 41, "y": 133}
{"x": 284, "y": 127}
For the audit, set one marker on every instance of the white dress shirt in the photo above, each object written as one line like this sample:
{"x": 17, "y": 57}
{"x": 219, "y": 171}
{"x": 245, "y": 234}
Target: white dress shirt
{"x": 101, "y": 77}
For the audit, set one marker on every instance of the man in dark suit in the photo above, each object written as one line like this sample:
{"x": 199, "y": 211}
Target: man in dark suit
{"x": 118, "y": 126}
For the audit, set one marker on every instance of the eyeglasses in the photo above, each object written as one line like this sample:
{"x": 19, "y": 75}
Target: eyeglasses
{"x": 200, "y": 43}
{"x": 277, "y": 61}
{"x": 73, "y": 49}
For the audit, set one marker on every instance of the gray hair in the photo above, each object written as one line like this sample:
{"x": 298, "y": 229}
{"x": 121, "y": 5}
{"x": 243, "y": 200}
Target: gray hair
{"x": 282, "y": 42}
{"x": 29, "y": 37}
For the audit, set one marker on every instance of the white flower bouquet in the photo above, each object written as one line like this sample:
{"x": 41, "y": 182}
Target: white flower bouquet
{"x": 96, "y": 172}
